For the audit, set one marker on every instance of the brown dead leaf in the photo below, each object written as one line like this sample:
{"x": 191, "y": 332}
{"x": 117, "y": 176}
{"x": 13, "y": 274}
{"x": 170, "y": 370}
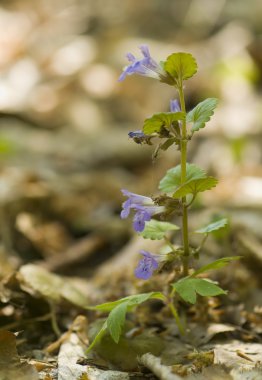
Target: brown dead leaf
{"x": 10, "y": 365}
{"x": 39, "y": 282}
{"x": 228, "y": 355}
{"x": 202, "y": 334}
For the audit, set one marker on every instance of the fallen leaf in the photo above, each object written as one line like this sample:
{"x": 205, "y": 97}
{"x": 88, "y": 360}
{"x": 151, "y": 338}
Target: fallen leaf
{"x": 10, "y": 364}
{"x": 38, "y": 281}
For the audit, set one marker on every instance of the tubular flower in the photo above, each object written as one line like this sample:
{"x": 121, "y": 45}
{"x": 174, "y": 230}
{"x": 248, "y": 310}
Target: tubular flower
{"x": 136, "y": 134}
{"x": 145, "y": 66}
{"x": 144, "y": 208}
{"x": 140, "y": 138}
{"x": 174, "y": 106}
{"x": 146, "y": 266}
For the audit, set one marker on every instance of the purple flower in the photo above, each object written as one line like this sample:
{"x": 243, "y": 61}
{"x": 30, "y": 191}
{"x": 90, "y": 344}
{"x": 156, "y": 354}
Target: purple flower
{"x": 174, "y": 106}
{"x": 140, "y": 138}
{"x": 146, "y": 265}
{"x": 144, "y": 208}
{"x": 142, "y": 216}
{"x": 136, "y": 134}
{"x": 145, "y": 66}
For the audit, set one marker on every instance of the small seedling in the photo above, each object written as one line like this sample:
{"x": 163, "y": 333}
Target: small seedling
{"x": 179, "y": 188}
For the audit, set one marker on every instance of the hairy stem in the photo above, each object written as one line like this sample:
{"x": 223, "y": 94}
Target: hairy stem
{"x": 183, "y": 180}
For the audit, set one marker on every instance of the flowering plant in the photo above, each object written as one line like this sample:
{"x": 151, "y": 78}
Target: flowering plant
{"x": 179, "y": 187}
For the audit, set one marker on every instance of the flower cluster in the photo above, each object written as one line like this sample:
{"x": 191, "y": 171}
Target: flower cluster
{"x": 144, "y": 208}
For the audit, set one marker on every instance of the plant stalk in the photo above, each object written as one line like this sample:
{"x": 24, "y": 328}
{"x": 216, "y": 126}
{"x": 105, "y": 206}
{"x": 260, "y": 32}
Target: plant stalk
{"x": 177, "y": 319}
{"x": 183, "y": 180}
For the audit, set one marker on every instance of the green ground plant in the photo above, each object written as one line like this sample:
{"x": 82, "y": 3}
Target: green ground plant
{"x": 178, "y": 190}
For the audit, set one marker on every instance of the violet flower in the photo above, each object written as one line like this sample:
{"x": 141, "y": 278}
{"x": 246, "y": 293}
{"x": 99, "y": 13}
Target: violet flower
{"x": 144, "y": 208}
{"x": 140, "y": 138}
{"x": 174, "y": 106}
{"x": 136, "y": 134}
{"x": 145, "y": 66}
{"x": 146, "y": 266}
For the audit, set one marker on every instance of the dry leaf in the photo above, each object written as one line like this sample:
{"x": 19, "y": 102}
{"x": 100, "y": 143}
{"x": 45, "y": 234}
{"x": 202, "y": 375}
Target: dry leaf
{"x": 10, "y": 364}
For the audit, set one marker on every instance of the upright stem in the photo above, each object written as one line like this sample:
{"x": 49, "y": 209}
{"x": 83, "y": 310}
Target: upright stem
{"x": 183, "y": 180}
{"x": 177, "y": 319}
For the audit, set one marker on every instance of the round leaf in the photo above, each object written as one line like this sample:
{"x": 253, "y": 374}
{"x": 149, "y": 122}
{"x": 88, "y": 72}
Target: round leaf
{"x": 181, "y": 66}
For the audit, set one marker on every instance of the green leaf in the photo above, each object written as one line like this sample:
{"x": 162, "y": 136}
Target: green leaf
{"x": 172, "y": 180}
{"x": 215, "y": 265}
{"x": 195, "y": 186}
{"x": 132, "y": 301}
{"x": 116, "y": 320}
{"x": 98, "y": 337}
{"x": 165, "y": 145}
{"x": 169, "y": 142}
{"x": 189, "y": 287}
{"x": 155, "y": 123}
{"x": 156, "y": 230}
{"x": 207, "y": 288}
{"x": 186, "y": 290}
{"x": 118, "y": 309}
{"x": 202, "y": 113}
{"x": 181, "y": 66}
{"x": 137, "y": 299}
{"x": 213, "y": 226}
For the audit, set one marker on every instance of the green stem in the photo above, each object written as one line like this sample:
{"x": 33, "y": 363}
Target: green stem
{"x": 53, "y": 319}
{"x": 177, "y": 319}
{"x": 183, "y": 180}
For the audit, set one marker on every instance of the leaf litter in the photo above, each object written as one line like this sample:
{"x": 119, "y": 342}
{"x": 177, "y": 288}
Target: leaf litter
{"x": 43, "y": 221}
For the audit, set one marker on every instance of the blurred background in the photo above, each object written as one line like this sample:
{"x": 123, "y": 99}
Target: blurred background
{"x": 64, "y": 119}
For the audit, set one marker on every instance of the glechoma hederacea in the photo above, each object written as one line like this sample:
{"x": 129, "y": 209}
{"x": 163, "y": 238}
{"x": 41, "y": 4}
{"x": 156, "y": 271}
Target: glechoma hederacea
{"x": 179, "y": 188}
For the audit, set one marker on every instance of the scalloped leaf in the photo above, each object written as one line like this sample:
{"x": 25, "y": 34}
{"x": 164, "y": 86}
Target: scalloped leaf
{"x": 155, "y": 123}
{"x": 215, "y": 265}
{"x": 215, "y": 226}
{"x": 188, "y": 288}
{"x": 180, "y": 66}
{"x": 172, "y": 180}
{"x": 156, "y": 230}
{"x": 202, "y": 113}
{"x": 195, "y": 186}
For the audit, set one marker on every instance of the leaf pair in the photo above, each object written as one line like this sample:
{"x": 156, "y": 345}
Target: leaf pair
{"x": 189, "y": 287}
{"x": 118, "y": 309}
{"x": 180, "y": 67}
{"x": 161, "y": 122}
{"x": 196, "y": 181}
